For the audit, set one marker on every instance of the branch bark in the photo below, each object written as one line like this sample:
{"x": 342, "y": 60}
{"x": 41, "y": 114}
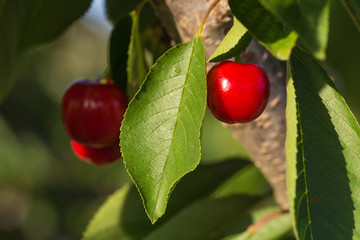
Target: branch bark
{"x": 264, "y": 138}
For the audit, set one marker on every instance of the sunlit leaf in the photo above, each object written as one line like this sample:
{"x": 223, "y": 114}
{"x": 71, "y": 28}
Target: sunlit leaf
{"x": 160, "y": 134}
{"x": 353, "y": 8}
{"x": 235, "y": 41}
{"x": 323, "y": 155}
{"x": 310, "y": 19}
{"x": 272, "y": 33}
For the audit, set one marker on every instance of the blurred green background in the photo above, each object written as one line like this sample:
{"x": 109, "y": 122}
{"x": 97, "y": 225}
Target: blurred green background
{"x": 45, "y": 192}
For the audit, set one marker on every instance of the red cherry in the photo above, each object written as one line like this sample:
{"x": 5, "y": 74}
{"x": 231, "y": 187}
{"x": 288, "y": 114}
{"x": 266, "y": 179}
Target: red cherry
{"x": 92, "y": 112}
{"x": 237, "y": 92}
{"x": 100, "y": 156}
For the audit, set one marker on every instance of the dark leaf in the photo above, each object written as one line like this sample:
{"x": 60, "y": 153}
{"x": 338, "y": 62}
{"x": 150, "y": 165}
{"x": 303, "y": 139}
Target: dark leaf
{"x": 271, "y": 32}
{"x": 323, "y": 155}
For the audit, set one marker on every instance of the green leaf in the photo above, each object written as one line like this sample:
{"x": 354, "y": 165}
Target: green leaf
{"x": 136, "y": 67}
{"x": 160, "y": 134}
{"x": 122, "y": 215}
{"x": 11, "y": 22}
{"x": 46, "y": 20}
{"x": 247, "y": 181}
{"x": 275, "y": 36}
{"x": 116, "y": 9}
{"x": 235, "y": 41}
{"x": 119, "y": 45}
{"x": 278, "y": 227}
{"x": 203, "y": 219}
{"x": 323, "y": 155}
{"x": 353, "y": 8}
{"x": 207, "y": 179}
{"x": 310, "y": 19}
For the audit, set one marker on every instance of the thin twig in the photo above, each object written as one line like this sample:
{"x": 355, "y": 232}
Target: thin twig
{"x": 253, "y": 228}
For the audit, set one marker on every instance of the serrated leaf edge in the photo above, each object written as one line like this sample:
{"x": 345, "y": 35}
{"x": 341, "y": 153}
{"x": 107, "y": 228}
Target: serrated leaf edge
{"x": 153, "y": 220}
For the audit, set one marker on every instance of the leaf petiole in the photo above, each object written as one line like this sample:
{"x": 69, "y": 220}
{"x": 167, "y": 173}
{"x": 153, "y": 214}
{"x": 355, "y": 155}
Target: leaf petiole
{"x": 206, "y": 15}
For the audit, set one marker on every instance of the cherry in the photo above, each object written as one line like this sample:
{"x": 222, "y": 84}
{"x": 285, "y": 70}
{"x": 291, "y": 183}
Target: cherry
{"x": 237, "y": 92}
{"x": 96, "y": 155}
{"x": 92, "y": 112}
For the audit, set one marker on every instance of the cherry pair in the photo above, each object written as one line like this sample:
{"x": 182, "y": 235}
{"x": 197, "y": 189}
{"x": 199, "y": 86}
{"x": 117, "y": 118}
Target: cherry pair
{"x": 92, "y": 113}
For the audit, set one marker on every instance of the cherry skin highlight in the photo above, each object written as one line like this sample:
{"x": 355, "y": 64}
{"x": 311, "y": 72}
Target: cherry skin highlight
{"x": 237, "y": 92}
{"x": 92, "y": 112}
{"x": 100, "y": 156}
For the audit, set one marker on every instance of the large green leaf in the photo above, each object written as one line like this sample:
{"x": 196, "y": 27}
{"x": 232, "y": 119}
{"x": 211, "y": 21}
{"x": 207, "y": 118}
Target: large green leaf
{"x": 310, "y": 19}
{"x": 353, "y": 8}
{"x": 204, "y": 219}
{"x": 122, "y": 215}
{"x": 323, "y": 155}
{"x": 160, "y": 134}
{"x": 46, "y": 20}
{"x": 235, "y": 41}
{"x": 11, "y": 22}
{"x": 275, "y": 36}
{"x": 116, "y": 9}
{"x": 119, "y": 45}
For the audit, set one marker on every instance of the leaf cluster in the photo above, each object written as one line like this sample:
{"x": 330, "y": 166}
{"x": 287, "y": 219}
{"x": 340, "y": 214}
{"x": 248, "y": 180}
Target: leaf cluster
{"x": 161, "y": 132}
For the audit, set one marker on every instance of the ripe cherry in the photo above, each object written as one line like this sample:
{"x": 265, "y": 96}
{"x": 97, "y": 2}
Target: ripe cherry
{"x": 96, "y": 155}
{"x": 92, "y": 112}
{"x": 237, "y": 92}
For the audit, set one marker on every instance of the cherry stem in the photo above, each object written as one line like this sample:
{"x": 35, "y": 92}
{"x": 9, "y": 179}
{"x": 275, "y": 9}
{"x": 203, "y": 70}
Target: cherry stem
{"x": 107, "y": 73}
{"x": 206, "y": 15}
{"x": 237, "y": 58}
{"x": 253, "y": 228}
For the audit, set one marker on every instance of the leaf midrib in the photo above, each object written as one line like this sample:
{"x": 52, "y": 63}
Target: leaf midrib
{"x": 176, "y": 125}
{"x": 304, "y": 170}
